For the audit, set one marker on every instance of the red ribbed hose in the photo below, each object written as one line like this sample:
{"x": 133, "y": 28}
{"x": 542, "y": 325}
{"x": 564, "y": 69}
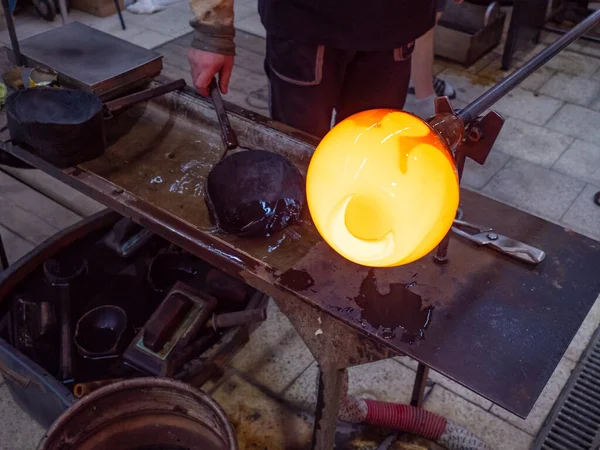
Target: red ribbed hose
{"x": 406, "y": 418}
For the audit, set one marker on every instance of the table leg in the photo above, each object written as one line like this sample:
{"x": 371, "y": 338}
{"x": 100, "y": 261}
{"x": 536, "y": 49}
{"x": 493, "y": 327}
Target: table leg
{"x": 118, "y": 7}
{"x": 328, "y": 405}
{"x": 3, "y": 257}
{"x": 10, "y": 24}
{"x": 419, "y": 386}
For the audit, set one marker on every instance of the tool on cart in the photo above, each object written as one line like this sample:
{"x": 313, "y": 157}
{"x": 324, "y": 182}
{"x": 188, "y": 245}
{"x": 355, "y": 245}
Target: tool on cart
{"x": 174, "y": 325}
{"x": 251, "y": 192}
{"x": 65, "y": 126}
{"x": 30, "y": 320}
{"x": 127, "y": 237}
{"x": 61, "y": 273}
{"x": 486, "y": 236}
{"x": 235, "y": 319}
{"x": 98, "y": 332}
{"x": 82, "y": 389}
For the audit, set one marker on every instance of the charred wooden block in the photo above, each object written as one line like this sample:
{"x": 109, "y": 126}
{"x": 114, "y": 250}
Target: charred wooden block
{"x": 165, "y": 320}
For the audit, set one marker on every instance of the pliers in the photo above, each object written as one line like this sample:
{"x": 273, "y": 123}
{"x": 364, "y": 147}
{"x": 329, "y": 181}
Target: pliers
{"x": 488, "y": 237}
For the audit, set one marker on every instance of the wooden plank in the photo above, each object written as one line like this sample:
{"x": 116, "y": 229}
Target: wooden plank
{"x": 35, "y": 203}
{"x": 62, "y": 194}
{"x": 15, "y": 246}
{"x": 24, "y": 224}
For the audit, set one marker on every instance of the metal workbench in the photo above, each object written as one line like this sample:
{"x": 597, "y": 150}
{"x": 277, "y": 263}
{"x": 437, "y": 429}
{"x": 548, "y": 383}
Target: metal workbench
{"x": 493, "y": 324}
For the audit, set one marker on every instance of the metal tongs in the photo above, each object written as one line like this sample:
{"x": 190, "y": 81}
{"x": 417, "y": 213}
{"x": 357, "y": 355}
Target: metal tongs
{"x": 487, "y": 236}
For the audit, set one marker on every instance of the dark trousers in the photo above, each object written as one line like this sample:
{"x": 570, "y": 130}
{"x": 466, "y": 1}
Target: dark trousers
{"x": 307, "y": 82}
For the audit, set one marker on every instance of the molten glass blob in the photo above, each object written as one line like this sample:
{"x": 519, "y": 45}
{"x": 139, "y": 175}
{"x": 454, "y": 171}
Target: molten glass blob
{"x": 382, "y": 188}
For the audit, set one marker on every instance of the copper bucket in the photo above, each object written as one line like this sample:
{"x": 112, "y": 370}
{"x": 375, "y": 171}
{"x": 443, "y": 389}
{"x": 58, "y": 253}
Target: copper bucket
{"x": 142, "y": 414}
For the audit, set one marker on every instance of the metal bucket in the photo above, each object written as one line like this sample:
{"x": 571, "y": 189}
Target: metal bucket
{"x": 143, "y": 414}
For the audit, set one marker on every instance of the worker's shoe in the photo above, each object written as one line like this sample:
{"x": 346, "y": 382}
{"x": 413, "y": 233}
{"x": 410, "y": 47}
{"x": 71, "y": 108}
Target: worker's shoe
{"x": 442, "y": 89}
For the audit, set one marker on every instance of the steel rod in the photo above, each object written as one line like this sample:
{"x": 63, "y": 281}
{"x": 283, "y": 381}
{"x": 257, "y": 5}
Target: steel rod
{"x": 486, "y": 100}
{"x": 14, "y": 42}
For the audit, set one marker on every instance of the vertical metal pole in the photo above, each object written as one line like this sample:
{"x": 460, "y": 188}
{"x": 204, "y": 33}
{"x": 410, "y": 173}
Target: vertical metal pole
{"x": 3, "y": 257}
{"x": 331, "y": 382}
{"x": 10, "y": 24}
{"x": 62, "y": 6}
{"x": 119, "y": 13}
{"x": 419, "y": 387}
{"x": 441, "y": 254}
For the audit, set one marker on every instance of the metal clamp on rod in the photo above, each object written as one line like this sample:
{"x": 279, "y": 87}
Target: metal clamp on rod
{"x": 478, "y": 133}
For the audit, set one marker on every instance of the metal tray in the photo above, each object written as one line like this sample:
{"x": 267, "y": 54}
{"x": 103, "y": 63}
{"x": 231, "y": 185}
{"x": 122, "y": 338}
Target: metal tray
{"x": 89, "y": 59}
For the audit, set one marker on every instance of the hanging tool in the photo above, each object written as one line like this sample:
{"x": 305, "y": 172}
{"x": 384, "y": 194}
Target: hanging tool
{"x": 488, "y": 237}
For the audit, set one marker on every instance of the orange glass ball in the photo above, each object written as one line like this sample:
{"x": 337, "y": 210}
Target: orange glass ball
{"x": 382, "y": 188}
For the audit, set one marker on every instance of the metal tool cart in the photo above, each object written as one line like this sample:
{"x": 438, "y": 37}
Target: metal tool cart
{"x": 490, "y": 321}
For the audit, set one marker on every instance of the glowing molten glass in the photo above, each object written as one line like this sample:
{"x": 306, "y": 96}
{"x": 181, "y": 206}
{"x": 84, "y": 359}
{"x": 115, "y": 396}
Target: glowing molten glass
{"x": 382, "y": 188}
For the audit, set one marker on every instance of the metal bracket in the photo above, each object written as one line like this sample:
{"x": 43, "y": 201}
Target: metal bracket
{"x": 480, "y": 136}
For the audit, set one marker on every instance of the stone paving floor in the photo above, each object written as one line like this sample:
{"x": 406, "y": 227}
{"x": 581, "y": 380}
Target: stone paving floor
{"x": 546, "y": 162}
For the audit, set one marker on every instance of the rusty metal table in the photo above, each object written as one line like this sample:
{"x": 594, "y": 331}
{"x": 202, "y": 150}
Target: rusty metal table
{"x": 493, "y": 324}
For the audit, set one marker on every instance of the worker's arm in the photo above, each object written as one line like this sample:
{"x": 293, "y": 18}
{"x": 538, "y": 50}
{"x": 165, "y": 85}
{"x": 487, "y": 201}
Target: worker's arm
{"x": 213, "y": 46}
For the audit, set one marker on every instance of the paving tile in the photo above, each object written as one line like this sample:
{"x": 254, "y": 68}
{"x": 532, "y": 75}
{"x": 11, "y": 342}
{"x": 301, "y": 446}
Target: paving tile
{"x": 17, "y": 430}
{"x": 113, "y": 27}
{"x": 28, "y": 26}
{"x": 584, "y": 334}
{"x": 537, "y": 79}
{"x": 385, "y": 380}
{"x": 531, "y": 142}
{"x": 489, "y": 60}
{"x": 477, "y": 176}
{"x": 459, "y": 389}
{"x": 544, "y": 404}
{"x": 303, "y": 391}
{"x": 528, "y": 106}
{"x": 584, "y": 215}
{"x": 534, "y": 188}
{"x": 578, "y": 122}
{"x": 173, "y": 22}
{"x": 407, "y": 361}
{"x": 499, "y": 434}
{"x": 548, "y": 37}
{"x": 574, "y": 63}
{"x": 252, "y": 25}
{"x": 589, "y": 48}
{"x": 582, "y": 161}
{"x": 439, "y": 66}
{"x": 275, "y": 355}
{"x": 150, "y": 39}
{"x": 242, "y": 11}
{"x": 260, "y": 420}
{"x": 572, "y": 89}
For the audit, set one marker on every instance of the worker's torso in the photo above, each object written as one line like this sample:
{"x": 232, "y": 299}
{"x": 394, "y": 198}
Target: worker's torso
{"x": 349, "y": 24}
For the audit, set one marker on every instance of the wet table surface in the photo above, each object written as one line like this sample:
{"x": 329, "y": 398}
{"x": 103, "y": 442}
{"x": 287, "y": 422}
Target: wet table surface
{"x": 492, "y": 323}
